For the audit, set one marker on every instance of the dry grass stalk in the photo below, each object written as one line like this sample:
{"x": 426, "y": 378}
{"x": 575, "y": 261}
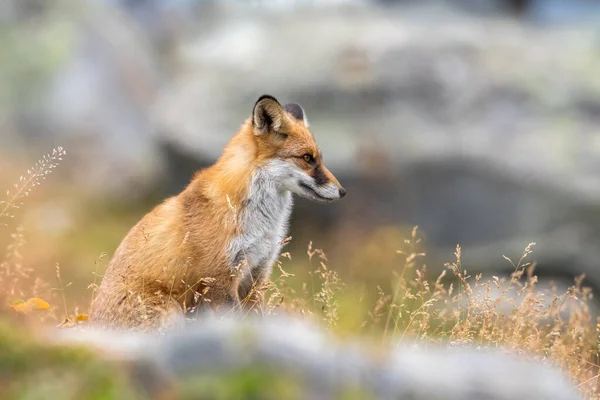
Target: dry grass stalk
{"x": 455, "y": 308}
{"x": 14, "y": 278}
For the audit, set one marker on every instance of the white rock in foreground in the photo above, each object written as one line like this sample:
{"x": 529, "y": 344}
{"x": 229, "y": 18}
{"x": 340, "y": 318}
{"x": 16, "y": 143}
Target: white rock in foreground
{"x": 324, "y": 368}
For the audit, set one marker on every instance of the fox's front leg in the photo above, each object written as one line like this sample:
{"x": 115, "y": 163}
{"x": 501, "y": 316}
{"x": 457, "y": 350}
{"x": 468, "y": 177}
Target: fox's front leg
{"x": 219, "y": 293}
{"x": 251, "y": 291}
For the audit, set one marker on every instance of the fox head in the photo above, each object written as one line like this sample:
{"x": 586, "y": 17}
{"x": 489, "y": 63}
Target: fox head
{"x": 289, "y": 153}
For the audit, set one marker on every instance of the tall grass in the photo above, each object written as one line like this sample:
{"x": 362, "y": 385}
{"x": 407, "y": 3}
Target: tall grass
{"x": 15, "y": 280}
{"x": 454, "y": 309}
{"x": 32, "y": 178}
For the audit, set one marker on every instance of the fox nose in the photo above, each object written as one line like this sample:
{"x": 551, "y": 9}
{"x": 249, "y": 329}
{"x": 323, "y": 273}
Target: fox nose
{"x": 342, "y": 192}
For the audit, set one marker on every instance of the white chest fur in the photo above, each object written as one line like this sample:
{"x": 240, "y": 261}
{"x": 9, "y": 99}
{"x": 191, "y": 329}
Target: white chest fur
{"x": 263, "y": 224}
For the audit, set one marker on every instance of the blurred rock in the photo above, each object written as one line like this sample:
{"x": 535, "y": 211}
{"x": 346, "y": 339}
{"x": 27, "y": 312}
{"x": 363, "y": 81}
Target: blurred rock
{"x": 564, "y": 11}
{"x": 420, "y": 89}
{"x": 483, "y": 133}
{"x": 95, "y": 77}
{"x": 288, "y": 359}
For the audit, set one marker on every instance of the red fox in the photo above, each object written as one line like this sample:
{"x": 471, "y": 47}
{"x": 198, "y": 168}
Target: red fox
{"x": 216, "y": 242}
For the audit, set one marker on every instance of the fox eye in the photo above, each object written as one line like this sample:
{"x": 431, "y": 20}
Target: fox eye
{"x": 308, "y": 158}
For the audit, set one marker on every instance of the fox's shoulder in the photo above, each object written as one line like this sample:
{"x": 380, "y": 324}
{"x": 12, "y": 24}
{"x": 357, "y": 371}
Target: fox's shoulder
{"x": 166, "y": 215}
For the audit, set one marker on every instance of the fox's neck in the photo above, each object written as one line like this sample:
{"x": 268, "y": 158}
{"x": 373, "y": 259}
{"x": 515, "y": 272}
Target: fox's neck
{"x": 241, "y": 179}
{"x": 261, "y": 208}
{"x": 265, "y": 203}
{"x": 261, "y": 223}
{"x": 231, "y": 175}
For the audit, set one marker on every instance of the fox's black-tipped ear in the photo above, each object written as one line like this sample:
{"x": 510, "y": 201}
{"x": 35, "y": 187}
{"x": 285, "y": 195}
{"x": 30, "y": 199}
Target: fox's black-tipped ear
{"x": 267, "y": 115}
{"x": 296, "y": 111}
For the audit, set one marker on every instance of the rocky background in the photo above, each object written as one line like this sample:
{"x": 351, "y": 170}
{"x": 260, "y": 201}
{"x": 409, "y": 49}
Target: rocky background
{"x": 476, "y": 120}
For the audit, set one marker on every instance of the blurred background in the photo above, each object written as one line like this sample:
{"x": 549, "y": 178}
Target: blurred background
{"x": 477, "y": 120}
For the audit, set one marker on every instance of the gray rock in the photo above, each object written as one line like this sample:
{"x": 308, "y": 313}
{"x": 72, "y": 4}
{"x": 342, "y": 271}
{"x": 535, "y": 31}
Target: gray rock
{"x": 86, "y": 86}
{"x": 325, "y": 369}
{"x": 483, "y": 133}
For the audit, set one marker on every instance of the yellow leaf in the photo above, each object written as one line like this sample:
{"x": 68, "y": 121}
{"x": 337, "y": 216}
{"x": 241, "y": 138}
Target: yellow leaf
{"x": 81, "y": 317}
{"x": 20, "y": 306}
{"x": 37, "y": 304}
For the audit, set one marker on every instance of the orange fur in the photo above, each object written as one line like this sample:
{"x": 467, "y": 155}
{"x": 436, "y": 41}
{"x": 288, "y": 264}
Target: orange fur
{"x": 175, "y": 258}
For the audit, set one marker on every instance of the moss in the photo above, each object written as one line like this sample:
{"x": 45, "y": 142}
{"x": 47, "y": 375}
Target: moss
{"x": 30, "y": 55}
{"x": 244, "y": 384}
{"x": 355, "y": 393}
{"x": 30, "y": 369}
{"x": 256, "y": 383}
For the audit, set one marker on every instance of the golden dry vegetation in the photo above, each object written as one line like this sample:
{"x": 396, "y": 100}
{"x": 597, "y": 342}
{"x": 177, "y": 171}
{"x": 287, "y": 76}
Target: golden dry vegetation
{"x": 454, "y": 309}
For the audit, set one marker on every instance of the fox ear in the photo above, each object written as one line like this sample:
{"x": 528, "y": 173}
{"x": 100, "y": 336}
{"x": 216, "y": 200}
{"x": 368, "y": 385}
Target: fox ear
{"x": 297, "y": 112}
{"x": 267, "y": 115}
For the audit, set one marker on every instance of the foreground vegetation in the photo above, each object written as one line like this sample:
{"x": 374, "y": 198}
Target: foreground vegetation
{"x": 454, "y": 309}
